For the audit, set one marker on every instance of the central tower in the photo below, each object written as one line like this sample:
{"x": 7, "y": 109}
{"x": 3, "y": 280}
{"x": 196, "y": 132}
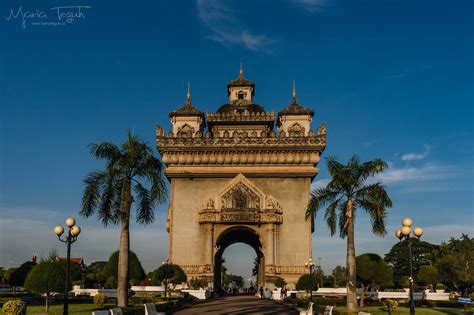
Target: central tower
{"x": 234, "y": 178}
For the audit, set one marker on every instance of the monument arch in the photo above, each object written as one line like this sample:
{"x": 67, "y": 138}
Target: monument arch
{"x": 238, "y": 172}
{"x": 233, "y": 235}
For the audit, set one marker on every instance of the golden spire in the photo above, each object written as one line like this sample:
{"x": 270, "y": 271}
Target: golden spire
{"x": 241, "y": 73}
{"x": 188, "y": 95}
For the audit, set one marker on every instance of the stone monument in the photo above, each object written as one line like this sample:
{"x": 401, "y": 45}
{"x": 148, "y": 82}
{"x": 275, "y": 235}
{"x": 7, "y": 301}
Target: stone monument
{"x": 236, "y": 175}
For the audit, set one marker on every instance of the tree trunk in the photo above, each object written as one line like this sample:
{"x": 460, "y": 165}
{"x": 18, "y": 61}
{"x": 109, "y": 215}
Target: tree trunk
{"x": 362, "y": 295}
{"x": 124, "y": 249}
{"x": 351, "y": 262}
{"x": 47, "y": 303}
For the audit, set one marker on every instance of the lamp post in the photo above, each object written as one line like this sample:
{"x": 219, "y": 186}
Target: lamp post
{"x": 71, "y": 236}
{"x": 406, "y": 233}
{"x": 310, "y": 265}
{"x": 165, "y": 275}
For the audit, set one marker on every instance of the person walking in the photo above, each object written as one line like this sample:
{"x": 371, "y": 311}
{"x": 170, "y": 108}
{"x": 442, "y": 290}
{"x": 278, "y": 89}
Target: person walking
{"x": 261, "y": 292}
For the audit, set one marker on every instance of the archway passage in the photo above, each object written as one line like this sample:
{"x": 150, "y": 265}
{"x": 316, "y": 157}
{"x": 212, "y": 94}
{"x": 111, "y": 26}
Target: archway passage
{"x": 238, "y": 234}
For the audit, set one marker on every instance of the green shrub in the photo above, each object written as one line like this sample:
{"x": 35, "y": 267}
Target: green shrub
{"x": 440, "y": 286}
{"x": 14, "y": 307}
{"x": 280, "y": 282}
{"x": 307, "y": 282}
{"x": 196, "y": 283}
{"x": 100, "y": 300}
{"x": 391, "y": 305}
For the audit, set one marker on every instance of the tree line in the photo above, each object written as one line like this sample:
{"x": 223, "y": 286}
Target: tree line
{"x": 447, "y": 266}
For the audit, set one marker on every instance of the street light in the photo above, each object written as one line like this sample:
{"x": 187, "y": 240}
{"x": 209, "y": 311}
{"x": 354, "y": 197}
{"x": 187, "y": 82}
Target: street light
{"x": 72, "y": 234}
{"x": 165, "y": 274}
{"x": 310, "y": 265}
{"x": 404, "y": 233}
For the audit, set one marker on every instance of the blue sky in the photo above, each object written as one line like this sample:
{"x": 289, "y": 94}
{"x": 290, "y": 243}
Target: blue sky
{"x": 391, "y": 79}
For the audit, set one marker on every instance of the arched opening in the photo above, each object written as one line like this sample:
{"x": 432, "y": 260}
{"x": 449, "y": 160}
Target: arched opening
{"x": 238, "y": 234}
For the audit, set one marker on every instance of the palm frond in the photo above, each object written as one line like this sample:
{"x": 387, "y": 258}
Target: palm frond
{"x": 331, "y": 216}
{"x": 372, "y": 168}
{"x": 319, "y": 198}
{"x": 145, "y": 214}
{"x": 374, "y": 200}
{"x": 105, "y": 151}
{"x": 151, "y": 169}
{"x": 105, "y": 211}
{"x": 334, "y": 167}
{"x": 91, "y": 194}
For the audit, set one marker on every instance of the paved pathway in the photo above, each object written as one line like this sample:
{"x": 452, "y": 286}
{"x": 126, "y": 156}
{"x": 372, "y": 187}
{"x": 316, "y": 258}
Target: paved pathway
{"x": 237, "y": 304}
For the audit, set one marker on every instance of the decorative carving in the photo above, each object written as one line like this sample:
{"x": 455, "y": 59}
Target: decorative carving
{"x": 270, "y": 269}
{"x": 240, "y": 202}
{"x": 160, "y": 132}
{"x": 322, "y": 130}
{"x": 210, "y": 204}
{"x": 296, "y": 130}
{"x": 273, "y": 204}
{"x": 240, "y": 197}
{"x": 185, "y": 131}
{"x": 191, "y": 269}
{"x": 298, "y": 270}
{"x": 318, "y": 143}
{"x": 240, "y": 217}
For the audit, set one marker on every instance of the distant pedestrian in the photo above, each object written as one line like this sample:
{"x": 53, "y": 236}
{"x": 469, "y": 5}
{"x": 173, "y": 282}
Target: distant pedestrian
{"x": 261, "y": 292}
{"x": 283, "y": 293}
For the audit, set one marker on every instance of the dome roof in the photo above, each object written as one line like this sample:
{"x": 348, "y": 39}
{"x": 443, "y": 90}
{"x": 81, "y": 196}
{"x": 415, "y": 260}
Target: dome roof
{"x": 240, "y": 108}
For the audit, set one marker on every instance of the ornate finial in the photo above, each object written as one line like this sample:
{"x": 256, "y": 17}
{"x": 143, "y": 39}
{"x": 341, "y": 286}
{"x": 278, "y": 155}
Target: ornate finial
{"x": 293, "y": 100}
{"x": 188, "y": 95}
{"x": 241, "y": 73}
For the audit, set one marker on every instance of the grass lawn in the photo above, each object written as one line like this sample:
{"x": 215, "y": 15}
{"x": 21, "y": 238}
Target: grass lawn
{"x": 419, "y": 310}
{"x": 57, "y": 309}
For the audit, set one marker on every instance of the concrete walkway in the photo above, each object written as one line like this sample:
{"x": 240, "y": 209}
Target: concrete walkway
{"x": 237, "y": 304}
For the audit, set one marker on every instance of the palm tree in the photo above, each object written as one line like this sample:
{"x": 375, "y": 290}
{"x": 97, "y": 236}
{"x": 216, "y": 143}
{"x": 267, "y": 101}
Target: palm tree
{"x": 111, "y": 192}
{"x": 347, "y": 191}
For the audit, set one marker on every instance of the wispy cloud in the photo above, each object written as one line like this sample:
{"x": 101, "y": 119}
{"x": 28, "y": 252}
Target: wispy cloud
{"x": 411, "y": 174}
{"x": 311, "y": 5}
{"x": 227, "y": 29}
{"x": 417, "y": 156}
{"x": 320, "y": 183}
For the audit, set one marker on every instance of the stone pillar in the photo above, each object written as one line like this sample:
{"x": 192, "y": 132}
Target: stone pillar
{"x": 209, "y": 250}
{"x": 270, "y": 253}
{"x": 261, "y": 272}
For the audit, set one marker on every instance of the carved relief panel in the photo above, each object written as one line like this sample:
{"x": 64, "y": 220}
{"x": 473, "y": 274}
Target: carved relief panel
{"x": 241, "y": 202}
